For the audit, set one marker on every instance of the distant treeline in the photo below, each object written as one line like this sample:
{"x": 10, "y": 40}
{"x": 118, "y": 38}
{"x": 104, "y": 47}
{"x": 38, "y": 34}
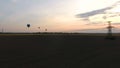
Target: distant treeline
{"x": 53, "y": 33}
{"x": 37, "y": 33}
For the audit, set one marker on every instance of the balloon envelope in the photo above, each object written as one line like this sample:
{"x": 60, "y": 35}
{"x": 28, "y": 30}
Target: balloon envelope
{"x": 28, "y": 25}
{"x": 45, "y": 29}
{"x": 38, "y": 27}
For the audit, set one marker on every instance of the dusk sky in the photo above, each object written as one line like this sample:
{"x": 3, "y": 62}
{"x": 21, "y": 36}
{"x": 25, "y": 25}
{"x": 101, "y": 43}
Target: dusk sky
{"x": 57, "y": 15}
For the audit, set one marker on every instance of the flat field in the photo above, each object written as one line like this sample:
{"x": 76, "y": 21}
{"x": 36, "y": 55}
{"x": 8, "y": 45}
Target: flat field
{"x": 59, "y": 51}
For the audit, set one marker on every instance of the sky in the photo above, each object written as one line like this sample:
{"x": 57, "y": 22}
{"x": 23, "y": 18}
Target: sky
{"x": 57, "y": 15}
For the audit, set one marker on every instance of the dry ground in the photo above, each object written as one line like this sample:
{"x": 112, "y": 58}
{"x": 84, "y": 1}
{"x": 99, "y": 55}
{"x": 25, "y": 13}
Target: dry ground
{"x": 59, "y": 51}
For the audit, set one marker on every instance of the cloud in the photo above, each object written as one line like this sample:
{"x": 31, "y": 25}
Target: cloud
{"x": 101, "y": 15}
{"x": 92, "y": 13}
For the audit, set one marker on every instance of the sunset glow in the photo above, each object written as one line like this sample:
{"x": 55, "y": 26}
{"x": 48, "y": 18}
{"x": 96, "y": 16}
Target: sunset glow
{"x": 56, "y": 15}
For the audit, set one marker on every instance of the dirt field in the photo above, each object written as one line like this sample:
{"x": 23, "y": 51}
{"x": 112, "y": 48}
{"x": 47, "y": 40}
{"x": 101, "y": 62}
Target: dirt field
{"x": 59, "y": 51}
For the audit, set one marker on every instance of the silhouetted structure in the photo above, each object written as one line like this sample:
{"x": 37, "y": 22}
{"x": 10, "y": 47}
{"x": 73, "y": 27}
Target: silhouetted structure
{"x": 109, "y": 35}
{"x": 109, "y": 28}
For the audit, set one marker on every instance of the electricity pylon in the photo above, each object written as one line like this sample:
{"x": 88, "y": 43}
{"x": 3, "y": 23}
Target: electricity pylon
{"x": 109, "y": 35}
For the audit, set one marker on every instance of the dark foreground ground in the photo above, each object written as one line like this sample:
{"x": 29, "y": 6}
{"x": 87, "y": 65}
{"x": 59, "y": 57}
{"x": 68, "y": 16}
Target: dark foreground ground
{"x": 59, "y": 51}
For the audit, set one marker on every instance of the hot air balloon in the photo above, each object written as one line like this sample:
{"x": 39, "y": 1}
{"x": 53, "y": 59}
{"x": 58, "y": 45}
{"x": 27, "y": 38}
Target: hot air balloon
{"x": 28, "y": 25}
{"x": 45, "y": 29}
{"x": 39, "y": 28}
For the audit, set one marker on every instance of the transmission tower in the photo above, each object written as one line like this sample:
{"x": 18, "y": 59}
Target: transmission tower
{"x": 109, "y": 35}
